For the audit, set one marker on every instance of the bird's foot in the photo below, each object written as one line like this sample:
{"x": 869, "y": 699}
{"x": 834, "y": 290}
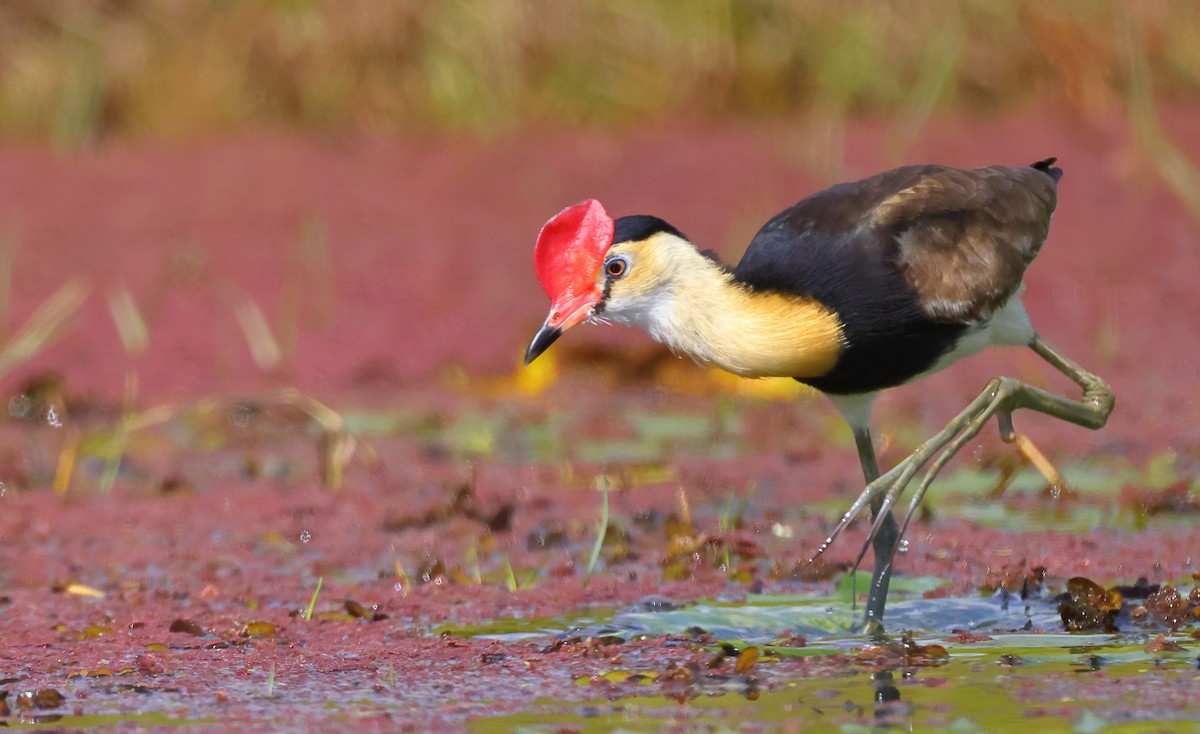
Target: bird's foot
{"x": 881, "y": 493}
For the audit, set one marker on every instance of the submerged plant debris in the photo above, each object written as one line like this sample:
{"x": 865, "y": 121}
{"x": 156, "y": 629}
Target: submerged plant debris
{"x": 1087, "y": 606}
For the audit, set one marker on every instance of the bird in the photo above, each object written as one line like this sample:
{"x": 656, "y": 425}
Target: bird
{"x": 856, "y": 289}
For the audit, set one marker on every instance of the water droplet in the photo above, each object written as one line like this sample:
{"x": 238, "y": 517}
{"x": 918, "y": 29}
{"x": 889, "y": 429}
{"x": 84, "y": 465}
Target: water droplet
{"x": 305, "y": 536}
{"x": 20, "y": 406}
{"x": 241, "y": 415}
{"x": 52, "y": 417}
{"x": 903, "y": 547}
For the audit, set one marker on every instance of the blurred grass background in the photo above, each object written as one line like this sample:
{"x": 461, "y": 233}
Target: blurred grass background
{"x": 84, "y": 71}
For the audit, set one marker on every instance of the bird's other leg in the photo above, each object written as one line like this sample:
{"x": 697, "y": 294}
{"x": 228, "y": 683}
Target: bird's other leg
{"x": 1098, "y": 399}
{"x": 884, "y": 541}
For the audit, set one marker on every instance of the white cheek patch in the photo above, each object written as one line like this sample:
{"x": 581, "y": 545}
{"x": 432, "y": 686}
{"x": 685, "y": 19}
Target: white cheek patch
{"x": 651, "y": 311}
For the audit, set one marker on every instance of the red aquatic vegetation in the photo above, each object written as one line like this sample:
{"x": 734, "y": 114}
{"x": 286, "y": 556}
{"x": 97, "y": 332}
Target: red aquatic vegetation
{"x": 185, "y": 588}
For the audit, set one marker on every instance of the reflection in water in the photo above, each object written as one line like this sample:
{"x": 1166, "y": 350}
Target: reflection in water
{"x": 889, "y": 715}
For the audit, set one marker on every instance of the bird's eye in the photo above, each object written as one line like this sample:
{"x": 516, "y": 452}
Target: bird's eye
{"x": 616, "y": 267}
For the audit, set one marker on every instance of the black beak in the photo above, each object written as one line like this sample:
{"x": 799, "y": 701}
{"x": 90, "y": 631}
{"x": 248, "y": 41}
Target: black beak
{"x": 542, "y": 340}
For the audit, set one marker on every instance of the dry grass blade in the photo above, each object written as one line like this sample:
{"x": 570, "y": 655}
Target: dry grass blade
{"x": 337, "y": 445}
{"x": 67, "y": 456}
{"x": 131, "y": 327}
{"x": 116, "y": 449}
{"x": 8, "y": 248}
{"x": 44, "y": 325}
{"x": 601, "y": 532}
{"x": 312, "y": 603}
{"x": 264, "y": 347}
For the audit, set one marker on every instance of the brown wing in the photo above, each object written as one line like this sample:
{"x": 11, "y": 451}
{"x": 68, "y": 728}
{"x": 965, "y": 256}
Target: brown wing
{"x": 966, "y": 236}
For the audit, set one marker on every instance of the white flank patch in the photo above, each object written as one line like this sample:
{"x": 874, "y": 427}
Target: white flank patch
{"x": 855, "y": 409}
{"x": 1009, "y": 326}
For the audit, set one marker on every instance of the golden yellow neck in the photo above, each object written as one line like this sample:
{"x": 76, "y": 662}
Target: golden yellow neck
{"x": 699, "y": 310}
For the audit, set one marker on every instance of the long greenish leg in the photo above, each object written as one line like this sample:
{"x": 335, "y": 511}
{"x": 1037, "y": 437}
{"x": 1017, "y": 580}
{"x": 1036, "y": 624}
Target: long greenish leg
{"x": 898, "y": 477}
{"x": 884, "y": 540}
{"x": 1000, "y": 398}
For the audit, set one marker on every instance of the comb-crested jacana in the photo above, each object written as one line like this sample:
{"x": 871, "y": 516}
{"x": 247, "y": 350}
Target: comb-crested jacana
{"x": 858, "y": 288}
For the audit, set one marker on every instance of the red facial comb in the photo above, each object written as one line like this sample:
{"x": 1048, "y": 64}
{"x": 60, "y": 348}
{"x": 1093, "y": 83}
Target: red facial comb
{"x": 570, "y": 249}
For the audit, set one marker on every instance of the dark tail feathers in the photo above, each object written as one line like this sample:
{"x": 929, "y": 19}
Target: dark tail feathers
{"x": 1045, "y": 167}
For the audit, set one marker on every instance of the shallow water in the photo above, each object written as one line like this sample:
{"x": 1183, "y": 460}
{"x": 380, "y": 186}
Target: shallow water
{"x": 1053, "y": 689}
{"x": 1016, "y": 670}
